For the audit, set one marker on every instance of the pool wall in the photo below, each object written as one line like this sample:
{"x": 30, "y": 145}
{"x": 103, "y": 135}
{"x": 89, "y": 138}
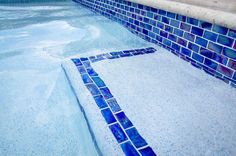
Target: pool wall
{"x": 207, "y": 46}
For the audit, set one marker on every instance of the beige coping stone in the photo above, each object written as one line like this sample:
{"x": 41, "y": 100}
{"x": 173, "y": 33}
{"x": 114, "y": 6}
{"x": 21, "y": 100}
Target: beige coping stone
{"x": 204, "y": 12}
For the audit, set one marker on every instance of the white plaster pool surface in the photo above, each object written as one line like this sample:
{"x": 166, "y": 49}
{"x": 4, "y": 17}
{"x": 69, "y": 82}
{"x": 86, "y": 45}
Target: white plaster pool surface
{"x": 186, "y": 112}
{"x": 39, "y": 114}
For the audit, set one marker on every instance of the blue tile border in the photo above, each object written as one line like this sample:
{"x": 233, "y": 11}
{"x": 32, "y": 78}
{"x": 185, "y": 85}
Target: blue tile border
{"x": 131, "y": 142}
{"x": 183, "y": 36}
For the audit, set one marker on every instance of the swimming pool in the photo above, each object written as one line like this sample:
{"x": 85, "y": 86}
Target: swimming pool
{"x": 39, "y": 112}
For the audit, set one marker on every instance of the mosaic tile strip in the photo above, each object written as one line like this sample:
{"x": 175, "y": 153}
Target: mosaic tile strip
{"x": 131, "y": 142}
{"x": 206, "y": 46}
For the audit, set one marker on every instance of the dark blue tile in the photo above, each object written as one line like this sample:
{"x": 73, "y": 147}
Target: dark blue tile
{"x": 162, "y": 12}
{"x": 229, "y": 53}
{"x": 116, "y": 53}
{"x": 81, "y": 69}
{"x": 147, "y": 151}
{"x": 185, "y": 51}
{"x": 136, "y": 138}
{"x": 168, "y": 28}
{"x": 93, "y": 89}
{"x": 84, "y": 59}
{"x": 185, "y": 27}
{"x": 193, "y": 46}
{"x": 124, "y": 121}
{"x": 100, "y": 101}
{"x": 175, "y": 46}
{"x": 224, "y": 70}
{"x": 163, "y": 34}
{"x": 172, "y": 37}
{"x": 201, "y": 41}
{"x": 91, "y": 72}
{"x": 181, "y": 18}
{"x": 114, "y": 105}
{"x": 210, "y": 64}
{"x": 213, "y": 56}
{"x": 232, "y": 64}
{"x": 76, "y": 62}
{"x": 192, "y": 21}
{"x": 234, "y": 77}
{"x": 210, "y": 36}
{"x": 165, "y": 20}
{"x": 182, "y": 42}
{"x": 106, "y": 93}
{"x": 197, "y": 57}
{"x": 197, "y": 31}
{"x": 86, "y": 79}
{"x": 232, "y": 33}
{"x": 129, "y": 149}
{"x": 171, "y": 15}
{"x": 215, "y": 47}
{"x": 220, "y": 29}
{"x": 160, "y": 25}
{"x": 206, "y": 25}
{"x": 189, "y": 36}
{"x": 99, "y": 82}
{"x": 225, "y": 40}
{"x": 108, "y": 116}
{"x": 118, "y": 133}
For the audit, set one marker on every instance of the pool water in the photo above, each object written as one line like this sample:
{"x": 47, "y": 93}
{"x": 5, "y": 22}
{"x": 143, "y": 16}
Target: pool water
{"x": 39, "y": 114}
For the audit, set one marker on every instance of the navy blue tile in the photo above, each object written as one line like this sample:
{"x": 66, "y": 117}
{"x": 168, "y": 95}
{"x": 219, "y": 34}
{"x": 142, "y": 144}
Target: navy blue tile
{"x": 84, "y": 59}
{"x": 192, "y": 21}
{"x": 210, "y": 36}
{"x": 147, "y": 151}
{"x": 86, "y": 79}
{"x": 224, "y": 70}
{"x": 100, "y": 101}
{"x": 193, "y": 46}
{"x": 124, "y": 121}
{"x": 175, "y": 46}
{"x": 215, "y": 47}
{"x": 77, "y": 62}
{"x": 162, "y": 12}
{"x": 108, "y": 116}
{"x": 210, "y": 64}
{"x": 197, "y": 31}
{"x": 185, "y": 51}
{"x": 220, "y": 29}
{"x": 189, "y": 36}
{"x": 185, "y": 27}
{"x": 229, "y": 53}
{"x": 213, "y": 56}
{"x": 93, "y": 89}
{"x": 172, "y": 37}
{"x": 114, "y": 105}
{"x": 206, "y": 25}
{"x": 201, "y": 41}
{"x": 225, "y": 40}
{"x": 163, "y": 34}
{"x": 168, "y": 28}
{"x": 165, "y": 20}
{"x": 160, "y": 25}
{"x": 129, "y": 149}
{"x": 182, "y": 42}
{"x": 118, "y": 133}
{"x": 99, "y": 82}
{"x": 136, "y": 138}
{"x": 197, "y": 57}
{"x": 181, "y": 18}
{"x": 91, "y": 72}
{"x": 106, "y": 93}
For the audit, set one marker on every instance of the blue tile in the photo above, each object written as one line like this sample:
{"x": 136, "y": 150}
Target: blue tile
{"x": 162, "y": 12}
{"x": 206, "y": 25}
{"x": 225, "y": 40}
{"x": 213, "y": 56}
{"x": 189, "y": 36}
{"x": 84, "y": 59}
{"x": 175, "y": 46}
{"x": 147, "y": 151}
{"x": 86, "y": 64}
{"x": 181, "y": 18}
{"x": 86, "y": 79}
{"x": 114, "y": 105}
{"x": 81, "y": 69}
{"x": 167, "y": 42}
{"x": 163, "y": 34}
{"x": 129, "y": 149}
{"x": 182, "y": 42}
{"x": 118, "y": 133}
{"x": 210, "y": 36}
{"x": 91, "y": 72}
{"x": 136, "y": 138}
{"x": 232, "y": 33}
{"x": 116, "y": 53}
{"x": 234, "y": 77}
{"x": 165, "y": 20}
{"x": 201, "y": 41}
{"x": 185, "y": 51}
{"x": 99, "y": 82}
{"x": 77, "y": 62}
{"x": 229, "y": 53}
{"x": 171, "y": 15}
{"x": 210, "y": 64}
{"x": 215, "y": 47}
{"x": 175, "y": 23}
{"x": 220, "y": 29}
{"x": 193, "y": 46}
{"x": 185, "y": 26}
{"x": 106, "y": 93}
{"x": 124, "y": 121}
{"x": 93, "y": 89}
{"x": 172, "y": 37}
{"x": 178, "y": 32}
{"x": 197, "y": 31}
{"x": 197, "y": 57}
{"x": 100, "y": 101}
{"x": 156, "y": 30}
{"x": 192, "y": 21}
{"x": 168, "y": 28}
{"x": 108, "y": 116}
